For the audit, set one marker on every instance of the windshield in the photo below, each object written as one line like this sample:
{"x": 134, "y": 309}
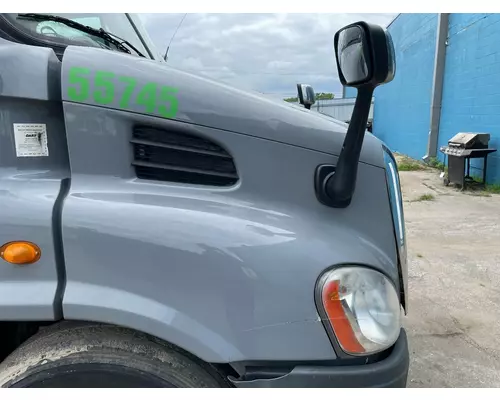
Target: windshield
{"x": 117, "y": 24}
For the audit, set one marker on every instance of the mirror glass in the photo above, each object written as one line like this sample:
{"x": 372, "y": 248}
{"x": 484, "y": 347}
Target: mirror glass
{"x": 308, "y": 93}
{"x": 351, "y": 55}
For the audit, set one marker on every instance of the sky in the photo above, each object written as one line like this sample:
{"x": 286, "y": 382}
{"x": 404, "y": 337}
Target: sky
{"x": 268, "y": 53}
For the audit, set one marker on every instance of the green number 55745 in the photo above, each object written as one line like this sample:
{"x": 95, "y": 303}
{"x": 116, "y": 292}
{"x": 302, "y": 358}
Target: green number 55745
{"x": 155, "y": 99}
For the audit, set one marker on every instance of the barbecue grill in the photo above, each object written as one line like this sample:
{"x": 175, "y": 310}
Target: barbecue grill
{"x": 461, "y": 148}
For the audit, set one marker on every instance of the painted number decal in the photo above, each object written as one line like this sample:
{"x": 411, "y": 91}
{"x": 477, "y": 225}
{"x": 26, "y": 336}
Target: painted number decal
{"x": 152, "y": 98}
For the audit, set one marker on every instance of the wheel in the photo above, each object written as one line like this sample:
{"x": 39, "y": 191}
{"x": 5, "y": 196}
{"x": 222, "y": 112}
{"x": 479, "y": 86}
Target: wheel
{"x": 70, "y": 355}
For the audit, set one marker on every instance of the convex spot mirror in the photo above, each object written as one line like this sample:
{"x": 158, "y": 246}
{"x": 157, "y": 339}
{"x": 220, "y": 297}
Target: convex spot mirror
{"x": 365, "y": 55}
{"x": 306, "y": 95}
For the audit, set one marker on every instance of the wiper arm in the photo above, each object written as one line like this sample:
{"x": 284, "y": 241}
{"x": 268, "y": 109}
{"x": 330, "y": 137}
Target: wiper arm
{"x": 110, "y": 37}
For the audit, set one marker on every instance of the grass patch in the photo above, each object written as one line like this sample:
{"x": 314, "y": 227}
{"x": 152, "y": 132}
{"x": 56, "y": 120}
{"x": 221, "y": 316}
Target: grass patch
{"x": 435, "y": 163}
{"x": 477, "y": 186}
{"x": 409, "y": 167}
{"x": 494, "y": 188}
{"x": 425, "y": 197}
{"x": 406, "y": 163}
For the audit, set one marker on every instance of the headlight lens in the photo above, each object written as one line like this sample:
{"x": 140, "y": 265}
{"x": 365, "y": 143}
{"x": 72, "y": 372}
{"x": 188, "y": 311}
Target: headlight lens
{"x": 362, "y": 307}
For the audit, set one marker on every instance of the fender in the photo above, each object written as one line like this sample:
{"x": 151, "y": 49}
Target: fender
{"x": 226, "y": 273}
{"x": 31, "y": 187}
{"x": 210, "y": 270}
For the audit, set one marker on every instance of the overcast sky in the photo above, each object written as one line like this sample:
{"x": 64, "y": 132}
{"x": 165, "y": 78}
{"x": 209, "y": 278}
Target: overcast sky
{"x": 268, "y": 53}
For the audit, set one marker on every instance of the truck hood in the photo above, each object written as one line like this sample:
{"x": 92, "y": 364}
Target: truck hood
{"x": 206, "y": 102}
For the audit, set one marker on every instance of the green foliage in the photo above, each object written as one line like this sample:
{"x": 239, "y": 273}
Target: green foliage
{"x": 489, "y": 188}
{"x": 406, "y": 163}
{"x": 435, "y": 163}
{"x": 409, "y": 166}
{"x": 324, "y": 96}
{"x": 425, "y": 197}
{"x": 493, "y": 188}
{"x": 319, "y": 96}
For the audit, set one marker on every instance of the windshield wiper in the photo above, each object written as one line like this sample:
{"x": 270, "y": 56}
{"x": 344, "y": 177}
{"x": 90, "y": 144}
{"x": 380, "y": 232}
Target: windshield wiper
{"x": 101, "y": 33}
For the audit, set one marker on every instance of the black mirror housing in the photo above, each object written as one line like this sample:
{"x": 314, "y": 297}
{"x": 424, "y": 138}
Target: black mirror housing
{"x": 306, "y": 95}
{"x": 365, "y": 55}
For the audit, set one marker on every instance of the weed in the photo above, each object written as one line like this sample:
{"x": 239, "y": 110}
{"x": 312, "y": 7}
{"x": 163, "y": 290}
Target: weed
{"x": 425, "y": 197}
{"x": 403, "y": 166}
{"x": 493, "y": 188}
{"x": 406, "y": 163}
{"x": 435, "y": 163}
{"x": 419, "y": 255}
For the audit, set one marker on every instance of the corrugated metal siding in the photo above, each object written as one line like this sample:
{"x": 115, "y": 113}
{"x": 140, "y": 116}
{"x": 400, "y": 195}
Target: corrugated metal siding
{"x": 340, "y": 109}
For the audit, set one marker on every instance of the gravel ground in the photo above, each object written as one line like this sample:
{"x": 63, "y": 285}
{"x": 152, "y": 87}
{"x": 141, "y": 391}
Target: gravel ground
{"x": 453, "y": 322}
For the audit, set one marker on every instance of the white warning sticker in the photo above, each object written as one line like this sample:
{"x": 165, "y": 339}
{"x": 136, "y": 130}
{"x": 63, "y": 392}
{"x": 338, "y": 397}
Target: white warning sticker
{"x": 31, "y": 140}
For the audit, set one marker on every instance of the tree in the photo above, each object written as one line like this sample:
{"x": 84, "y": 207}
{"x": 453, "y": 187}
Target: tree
{"x": 319, "y": 96}
{"x": 324, "y": 96}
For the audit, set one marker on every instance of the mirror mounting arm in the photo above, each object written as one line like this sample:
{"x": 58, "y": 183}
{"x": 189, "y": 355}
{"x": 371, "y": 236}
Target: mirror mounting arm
{"x": 339, "y": 185}
{"x": 365, "y": 60}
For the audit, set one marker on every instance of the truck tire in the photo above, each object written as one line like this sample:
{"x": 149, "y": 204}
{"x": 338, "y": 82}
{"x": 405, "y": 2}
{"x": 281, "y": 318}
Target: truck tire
{"x": 78, "y": 355}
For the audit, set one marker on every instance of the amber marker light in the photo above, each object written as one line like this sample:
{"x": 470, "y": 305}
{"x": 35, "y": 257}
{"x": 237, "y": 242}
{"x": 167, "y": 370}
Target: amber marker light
{"x": 20, "y": 252}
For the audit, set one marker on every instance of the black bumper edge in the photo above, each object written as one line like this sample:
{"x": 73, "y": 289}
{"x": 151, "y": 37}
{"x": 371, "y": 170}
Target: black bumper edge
{"x": 390, "y": 372}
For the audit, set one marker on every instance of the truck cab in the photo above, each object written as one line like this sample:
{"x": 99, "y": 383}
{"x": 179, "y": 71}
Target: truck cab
{"x": 160, "y": 229}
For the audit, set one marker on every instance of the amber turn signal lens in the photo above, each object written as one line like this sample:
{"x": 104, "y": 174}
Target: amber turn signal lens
{"x": 20, "y": 252}
{"x": 338, "y": 318}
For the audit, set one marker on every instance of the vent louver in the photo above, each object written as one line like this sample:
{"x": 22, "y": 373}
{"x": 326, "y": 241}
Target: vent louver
{"x": 180, "y": 157}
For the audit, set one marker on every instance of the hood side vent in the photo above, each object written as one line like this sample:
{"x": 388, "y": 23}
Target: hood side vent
{"x": 180, "y": 157}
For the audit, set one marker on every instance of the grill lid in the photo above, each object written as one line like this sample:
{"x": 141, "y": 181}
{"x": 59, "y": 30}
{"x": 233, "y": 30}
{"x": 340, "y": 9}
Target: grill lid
{"x": 470, "y": 140}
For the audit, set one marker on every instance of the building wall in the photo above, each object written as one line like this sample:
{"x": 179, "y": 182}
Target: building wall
{"x": 350, "y": 92}
{"x": 471, "y": 87}
{"x": 402, "y": 108}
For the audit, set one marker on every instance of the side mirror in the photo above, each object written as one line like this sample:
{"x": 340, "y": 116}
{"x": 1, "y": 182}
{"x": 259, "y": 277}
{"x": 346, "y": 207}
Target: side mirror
{"x": 365, "y": 55}
{"x": 306, "y": 95}
{"x": 365, "y": 60}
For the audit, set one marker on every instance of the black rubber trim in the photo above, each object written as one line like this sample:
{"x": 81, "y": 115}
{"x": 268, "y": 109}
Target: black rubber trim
{"x": 58, "y": 246}
{"x": 388, "y": 373}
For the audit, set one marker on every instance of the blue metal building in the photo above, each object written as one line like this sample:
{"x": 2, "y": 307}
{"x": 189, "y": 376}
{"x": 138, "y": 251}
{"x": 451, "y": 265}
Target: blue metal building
{"x": 447, "y": 81}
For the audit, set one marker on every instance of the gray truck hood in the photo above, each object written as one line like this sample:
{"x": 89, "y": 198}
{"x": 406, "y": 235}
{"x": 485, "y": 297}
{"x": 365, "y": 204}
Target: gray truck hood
{"x": 209, "y": 103}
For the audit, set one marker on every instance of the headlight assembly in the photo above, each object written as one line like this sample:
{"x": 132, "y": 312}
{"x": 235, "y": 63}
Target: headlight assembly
{"x": 362, "y": 308}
